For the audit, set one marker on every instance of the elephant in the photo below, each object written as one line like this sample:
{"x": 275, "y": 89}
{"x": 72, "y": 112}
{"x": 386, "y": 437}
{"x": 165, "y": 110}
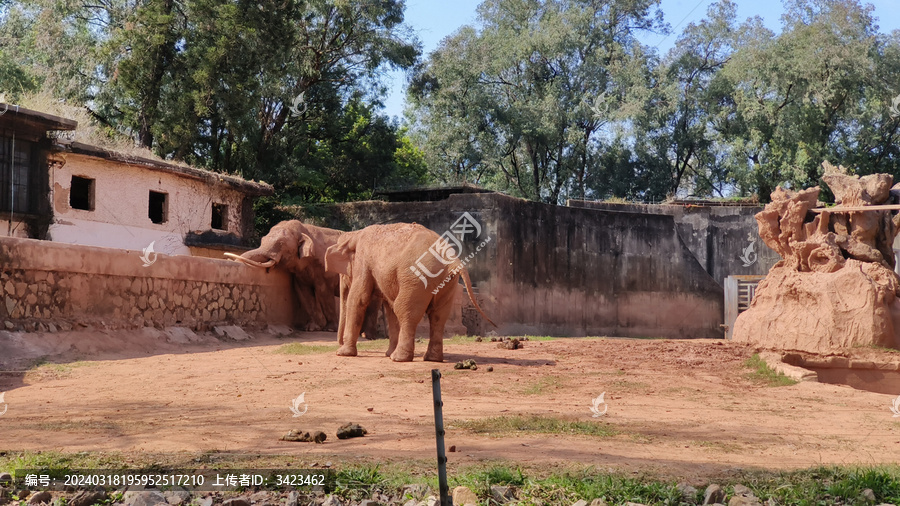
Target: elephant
{"x": 389, "y": 260}
{"x": 300, "y": 249}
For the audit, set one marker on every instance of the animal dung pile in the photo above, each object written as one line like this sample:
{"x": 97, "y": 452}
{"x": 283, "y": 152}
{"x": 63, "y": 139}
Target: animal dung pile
{"x": 305, "y": 437}
{"x": 835, "y": 286}
{"x": 350, "y": 430}
{"x": 466, "y": 364}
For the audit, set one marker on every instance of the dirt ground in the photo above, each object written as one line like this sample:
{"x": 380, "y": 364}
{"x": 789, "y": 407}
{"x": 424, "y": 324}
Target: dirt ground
{"x": 682, "y": 408}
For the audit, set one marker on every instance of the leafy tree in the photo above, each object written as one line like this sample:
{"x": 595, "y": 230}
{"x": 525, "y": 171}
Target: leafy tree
{"x": 550, "y": 99}
{"x": 214, "y": 83}
{"x": 811, "y": 93}
{"x": 677, "y": 115}
{"x": 520, "y": 103}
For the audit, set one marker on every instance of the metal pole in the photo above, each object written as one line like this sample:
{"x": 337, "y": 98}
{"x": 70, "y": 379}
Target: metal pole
{"x": 439, "y": 437}
{"x": 12, "y": 183}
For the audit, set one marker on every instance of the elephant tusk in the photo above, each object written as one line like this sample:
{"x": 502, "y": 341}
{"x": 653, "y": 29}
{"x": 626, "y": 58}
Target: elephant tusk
{"x": 252, "y": 263}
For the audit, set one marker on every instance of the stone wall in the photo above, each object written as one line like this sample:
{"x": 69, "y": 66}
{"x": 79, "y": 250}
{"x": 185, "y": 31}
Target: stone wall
{"x": 565, "y": 271}
{"x": 724, "y": 239}
{"x": 45, "y": 285}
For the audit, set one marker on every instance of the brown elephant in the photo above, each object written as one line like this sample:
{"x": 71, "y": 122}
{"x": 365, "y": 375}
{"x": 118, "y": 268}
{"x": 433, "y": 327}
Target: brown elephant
{"x": 300, "y": 249}
{"x": 388, "y": 259}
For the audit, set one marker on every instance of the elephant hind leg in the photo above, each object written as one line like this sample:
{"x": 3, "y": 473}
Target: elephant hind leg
{"x": 438, "y": 313}
{"x": 409, "y": 312}
{"x": 393, "y": 325}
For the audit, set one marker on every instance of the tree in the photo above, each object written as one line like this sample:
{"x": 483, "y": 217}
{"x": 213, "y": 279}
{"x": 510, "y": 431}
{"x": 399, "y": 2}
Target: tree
{"x": 520, "y": 103}
{"x": 677, "y": 115}
{"x": 213, "y": 83}
{"x": 811, "y": 93}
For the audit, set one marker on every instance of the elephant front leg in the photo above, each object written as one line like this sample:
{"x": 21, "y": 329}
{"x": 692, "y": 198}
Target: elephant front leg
{"x": 344, "y": 294}
{"x": 356, "y": 304}
{"x": 325, "y": 302}
{"x": 308, "y": 302}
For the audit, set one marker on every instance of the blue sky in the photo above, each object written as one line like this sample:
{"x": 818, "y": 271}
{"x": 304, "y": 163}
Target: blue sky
{"x": 432, "y": 20}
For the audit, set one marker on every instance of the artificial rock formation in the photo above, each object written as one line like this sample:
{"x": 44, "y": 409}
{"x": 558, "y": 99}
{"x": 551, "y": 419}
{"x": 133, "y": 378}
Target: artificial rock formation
{"x": 835, "y": 286}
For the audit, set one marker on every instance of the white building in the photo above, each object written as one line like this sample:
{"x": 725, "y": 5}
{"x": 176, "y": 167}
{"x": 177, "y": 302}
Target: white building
{"x": 76, "y": 193}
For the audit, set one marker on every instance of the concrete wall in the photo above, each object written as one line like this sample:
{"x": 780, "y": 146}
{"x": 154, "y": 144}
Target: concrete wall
{"x": 718, "y": 236}
{"x": 564, "y": 271}
{"x": 120, "y": 216}
{"x": 43, "y": 282}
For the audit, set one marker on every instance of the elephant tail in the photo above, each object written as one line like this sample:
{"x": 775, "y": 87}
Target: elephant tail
{"x": 468, "y": 283}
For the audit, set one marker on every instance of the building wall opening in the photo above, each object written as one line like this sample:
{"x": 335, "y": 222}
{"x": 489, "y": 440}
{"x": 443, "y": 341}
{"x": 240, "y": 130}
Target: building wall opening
{"x": 81, "y": 194}
{"x": 17, "y": 176}
{"x": 219, "y": 217}
{"x": 159, "y": 207}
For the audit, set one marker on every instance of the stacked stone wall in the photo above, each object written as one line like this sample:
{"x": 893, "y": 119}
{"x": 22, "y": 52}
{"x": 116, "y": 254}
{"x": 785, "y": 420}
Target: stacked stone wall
{"x": 48, "y": 286}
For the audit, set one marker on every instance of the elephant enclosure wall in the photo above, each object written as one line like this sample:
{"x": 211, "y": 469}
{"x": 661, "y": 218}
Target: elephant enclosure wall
{"x": 563, "y": 271}
{"x": 44, "y": 283}
{"x": 724, "y": 239}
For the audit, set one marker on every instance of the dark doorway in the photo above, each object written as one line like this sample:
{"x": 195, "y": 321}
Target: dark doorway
{"x": 159, "y": 207}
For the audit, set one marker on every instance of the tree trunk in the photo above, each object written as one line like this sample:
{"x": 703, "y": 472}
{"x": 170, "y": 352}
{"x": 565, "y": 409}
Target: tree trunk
{"x": 149, "y": 112}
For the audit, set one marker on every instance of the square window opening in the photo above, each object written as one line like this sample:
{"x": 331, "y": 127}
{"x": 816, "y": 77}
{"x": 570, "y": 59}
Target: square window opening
{"x": 159, "y": 207}
{"x": 81, "y": 194}
{"x": 219, "y": 216}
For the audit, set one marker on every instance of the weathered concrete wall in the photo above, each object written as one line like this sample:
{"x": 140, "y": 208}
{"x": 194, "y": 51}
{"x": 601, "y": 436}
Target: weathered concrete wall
{"x": 566, "y": 271}
{"x": 120, "y": 216}
{"x": 724, "y": 239}
{"x": 43, "y": 282}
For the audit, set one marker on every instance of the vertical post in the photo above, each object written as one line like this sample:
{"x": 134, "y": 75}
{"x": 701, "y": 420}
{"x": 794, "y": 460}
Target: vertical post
{"x": 439, "y": 437}
{"x": 731, "y": 304}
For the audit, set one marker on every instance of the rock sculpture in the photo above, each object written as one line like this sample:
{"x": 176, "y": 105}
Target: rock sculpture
{"x": 835, "y": 286}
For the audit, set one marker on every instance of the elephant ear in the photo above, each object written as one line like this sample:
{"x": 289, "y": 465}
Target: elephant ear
{"x": 306, "y": 247}
{"x": 339, "y": 256}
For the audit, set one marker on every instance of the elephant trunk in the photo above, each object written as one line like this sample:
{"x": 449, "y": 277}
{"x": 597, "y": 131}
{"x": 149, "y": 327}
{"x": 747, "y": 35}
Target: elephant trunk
{"x": 253, "y": 263}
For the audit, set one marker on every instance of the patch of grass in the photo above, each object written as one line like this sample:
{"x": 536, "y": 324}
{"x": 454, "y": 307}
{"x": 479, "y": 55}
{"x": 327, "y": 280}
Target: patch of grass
{"x": 92, "y": 426}
{"x": 762, "y": 373}
{"x": 826, "y": 485}
{"x": 719, "y": 446}
{"x": 538, "y": 484}
{"x": 45, "y": 365}
{"x": 53, "y": 460}
{"x": 359, "y": 477}
{"x": 480, "y": 480}
{"x": 377, "y": 344}
{"x": 304, "y": 349}
{"x": 542, "y": 385}
{"x": 43, "y": 369}
{"x": 542, "y": 338}
{"x": 535, "y": 424}
{"x": 567, "y": 488}
{"x": 622, "y": 384}
{"x": 883, "y": 348}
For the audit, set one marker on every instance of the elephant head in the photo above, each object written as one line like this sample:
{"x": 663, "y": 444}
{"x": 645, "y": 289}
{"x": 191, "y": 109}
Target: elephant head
{"x": 299, "y": 249}
{"x": 287, "y": 245}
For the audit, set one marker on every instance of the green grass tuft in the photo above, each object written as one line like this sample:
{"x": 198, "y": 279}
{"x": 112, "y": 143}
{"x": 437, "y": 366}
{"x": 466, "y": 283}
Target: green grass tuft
{"x": 304, "y": 349}
{"x": 542, "y": 385}
{"x": 762, "y": 373}
{"x": 534, "y": 424}
{"x": 542, "y": 338}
